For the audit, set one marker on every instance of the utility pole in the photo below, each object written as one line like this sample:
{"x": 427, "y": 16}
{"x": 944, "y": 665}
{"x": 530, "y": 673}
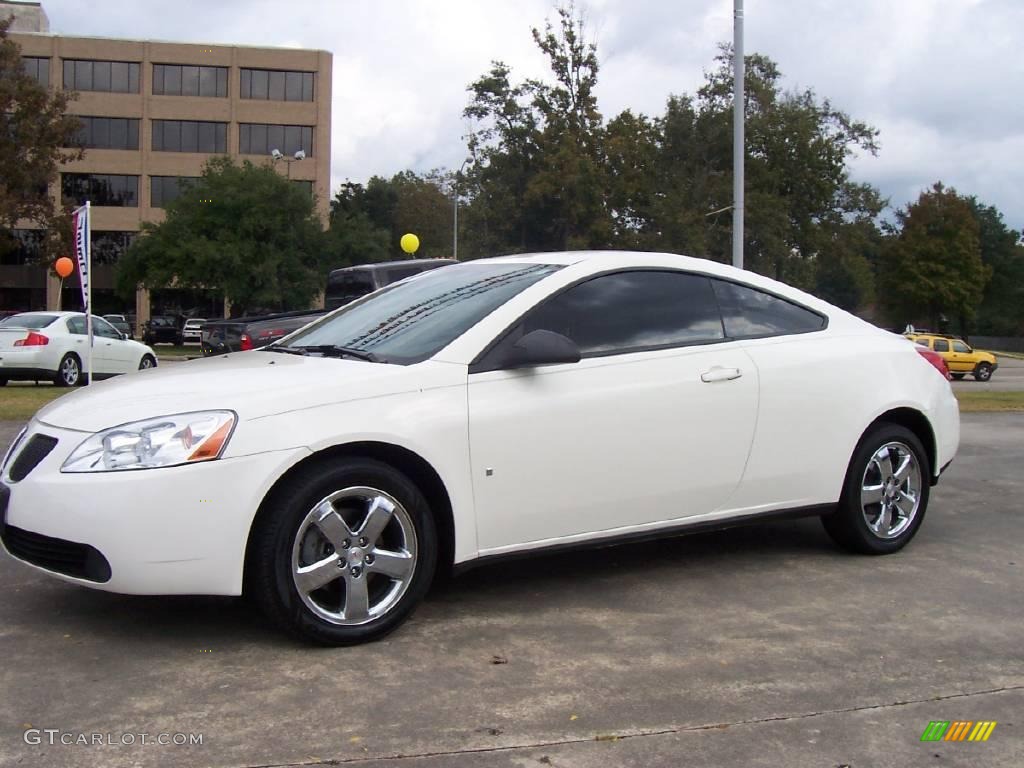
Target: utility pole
{"x": 738, "y": 148}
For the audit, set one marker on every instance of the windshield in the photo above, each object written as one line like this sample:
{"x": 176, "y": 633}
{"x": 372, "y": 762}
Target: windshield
{"x": 404, "y": 323}
{"x": 31, "y": 321}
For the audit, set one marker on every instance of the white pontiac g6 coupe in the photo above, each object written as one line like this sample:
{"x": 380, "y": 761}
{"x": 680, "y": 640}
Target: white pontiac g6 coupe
{"x": 479, "y": 410}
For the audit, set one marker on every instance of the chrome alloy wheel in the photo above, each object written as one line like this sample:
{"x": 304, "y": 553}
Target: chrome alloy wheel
{"x": 70, "y": 371}
{"x": 354, "y": 556}
{"x": 891, "y": 490}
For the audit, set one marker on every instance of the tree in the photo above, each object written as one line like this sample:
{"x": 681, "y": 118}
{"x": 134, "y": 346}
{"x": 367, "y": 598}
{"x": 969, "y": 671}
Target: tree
{"x": 1002, "y": 307}
{"x": 932, "y": 268}
{"x": 244, "y": 230}
{"x": 538, "y": 178}
{"x": 35, "y": 137}
{"x": 407, "y": 202}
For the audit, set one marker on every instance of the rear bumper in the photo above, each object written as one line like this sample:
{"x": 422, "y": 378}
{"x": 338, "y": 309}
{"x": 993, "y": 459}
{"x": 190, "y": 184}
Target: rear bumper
{"x": 26, "y": 374}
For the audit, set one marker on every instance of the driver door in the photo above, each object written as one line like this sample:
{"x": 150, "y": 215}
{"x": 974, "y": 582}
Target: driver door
{"x": 654, "y": 424}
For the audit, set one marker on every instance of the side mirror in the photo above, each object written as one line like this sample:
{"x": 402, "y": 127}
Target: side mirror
{"x": 541, "y": 347}
{"x": 124, "y": 337}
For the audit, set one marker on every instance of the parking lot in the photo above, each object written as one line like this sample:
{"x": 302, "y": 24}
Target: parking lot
{"x": 759, "y": 646}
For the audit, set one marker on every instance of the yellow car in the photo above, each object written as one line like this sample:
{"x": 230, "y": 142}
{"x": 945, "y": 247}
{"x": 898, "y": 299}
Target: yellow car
{"x": 959, "y": 355}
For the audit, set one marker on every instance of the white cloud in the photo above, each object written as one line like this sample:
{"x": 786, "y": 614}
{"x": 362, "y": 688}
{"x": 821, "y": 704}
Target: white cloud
{"x": 940, "y": 79}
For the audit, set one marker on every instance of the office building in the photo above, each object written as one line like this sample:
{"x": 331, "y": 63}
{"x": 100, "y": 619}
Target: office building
{"x": 152, "y": 114}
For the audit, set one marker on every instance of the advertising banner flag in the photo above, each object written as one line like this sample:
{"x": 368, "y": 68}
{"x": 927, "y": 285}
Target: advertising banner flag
{"x": 80, "y": 226}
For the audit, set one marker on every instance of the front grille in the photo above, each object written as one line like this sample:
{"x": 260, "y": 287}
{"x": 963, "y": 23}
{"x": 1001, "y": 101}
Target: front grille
{"x": 58, "y": 555}
{"x": 35, "y": 450}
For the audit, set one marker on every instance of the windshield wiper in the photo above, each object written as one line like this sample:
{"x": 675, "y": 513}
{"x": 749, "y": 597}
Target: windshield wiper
{"x": 335, "y": 350}
{"x": 282, "y": 348}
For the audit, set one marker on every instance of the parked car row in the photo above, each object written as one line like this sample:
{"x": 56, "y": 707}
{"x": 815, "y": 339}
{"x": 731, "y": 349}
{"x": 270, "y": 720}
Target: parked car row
{"x": 53, "y": 346}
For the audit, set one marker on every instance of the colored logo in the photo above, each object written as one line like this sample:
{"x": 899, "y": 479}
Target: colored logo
{"x": 958, "y": 730}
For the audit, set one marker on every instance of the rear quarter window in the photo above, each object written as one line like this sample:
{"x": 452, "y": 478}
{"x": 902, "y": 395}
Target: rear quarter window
{"x": 750, "y": 313}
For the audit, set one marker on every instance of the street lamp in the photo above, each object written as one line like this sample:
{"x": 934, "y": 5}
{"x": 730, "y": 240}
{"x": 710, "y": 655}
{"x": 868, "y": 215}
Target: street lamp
{"x": 455, "y": 221}
{"x": 276, "y": 154}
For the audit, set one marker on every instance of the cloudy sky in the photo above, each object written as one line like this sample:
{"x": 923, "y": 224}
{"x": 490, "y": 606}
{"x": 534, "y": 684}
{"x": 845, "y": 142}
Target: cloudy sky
{"x": 942, "y": 79}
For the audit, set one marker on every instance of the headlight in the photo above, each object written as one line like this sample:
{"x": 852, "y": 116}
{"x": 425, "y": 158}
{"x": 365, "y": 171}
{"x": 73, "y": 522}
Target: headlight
{"x": 165, "y": 441}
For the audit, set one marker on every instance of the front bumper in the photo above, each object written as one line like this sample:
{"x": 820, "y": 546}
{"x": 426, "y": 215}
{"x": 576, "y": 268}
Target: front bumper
{"x": 173, "y": 530}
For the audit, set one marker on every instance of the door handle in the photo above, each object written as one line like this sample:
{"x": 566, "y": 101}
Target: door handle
{"x": 720, "y": 374}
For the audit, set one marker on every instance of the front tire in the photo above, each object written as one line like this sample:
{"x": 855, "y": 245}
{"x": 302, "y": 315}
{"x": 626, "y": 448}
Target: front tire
{"x": 343, "y": 552}
{"x": 983, "y": 372}
{"x": 885, "y": 494}
{"x": 69, "y": 371}
{"x": 147, "y": 362}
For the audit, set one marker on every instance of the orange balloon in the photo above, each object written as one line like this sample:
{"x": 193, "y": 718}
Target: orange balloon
{"x": 64, "y": 266}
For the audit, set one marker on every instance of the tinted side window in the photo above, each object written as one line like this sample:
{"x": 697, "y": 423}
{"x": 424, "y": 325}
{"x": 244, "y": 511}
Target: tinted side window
{"x": 101, "y": 327}
{"x": 346, "y": 287}
{"x": 632, "y": 310}
{"x": 959, "y": 346}
{"x": 748, "y": 312}
{"x": 941, "y": 345}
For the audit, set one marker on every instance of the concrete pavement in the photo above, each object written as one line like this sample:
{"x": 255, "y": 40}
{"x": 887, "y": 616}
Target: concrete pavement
{"x": 759, "y": 646}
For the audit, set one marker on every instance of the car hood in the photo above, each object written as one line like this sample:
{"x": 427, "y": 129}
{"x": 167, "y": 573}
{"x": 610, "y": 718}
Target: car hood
{"x": 253, "y": 384}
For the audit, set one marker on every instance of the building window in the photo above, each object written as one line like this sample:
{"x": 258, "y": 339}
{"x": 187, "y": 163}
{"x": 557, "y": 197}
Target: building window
{"x": 276, "y": 85}
{"x": 108, "y": 76}
{"x": 164, "y": 189}
{"x": 109, "y": 133}
{"x": 190, "y": 136}
{"x": 262, "y": 139}
{"x": 37, "y": 68}
{"x": 304, "y": 185}
{"x": 109, "y": 247}
{"x": 21, "y": 246}
{"x": 184, "y": 80}
{"x": 100, "y": 189}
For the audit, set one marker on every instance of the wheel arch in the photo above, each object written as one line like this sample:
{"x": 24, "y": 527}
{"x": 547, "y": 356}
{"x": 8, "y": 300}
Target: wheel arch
{"x": 916, "y": 422}
{"x": 418, "y": 470}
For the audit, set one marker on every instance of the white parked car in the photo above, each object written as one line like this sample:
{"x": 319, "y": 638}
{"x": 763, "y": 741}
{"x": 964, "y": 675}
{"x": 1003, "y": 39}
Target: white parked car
{"x": 191, "y": 332}
{"x": 487, "y": 409}
{"x": 52, "y": 346}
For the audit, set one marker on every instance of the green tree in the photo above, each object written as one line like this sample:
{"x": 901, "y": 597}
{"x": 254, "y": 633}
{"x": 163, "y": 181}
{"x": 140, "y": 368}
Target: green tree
{"x": 407, "y": 202}
{"x": 1002, "y": 307}
{"x": 538, "y": 177}
{"x": 36, "y": 137}
{"x": 243, "y": 230}
{"x": 932, "y": 267}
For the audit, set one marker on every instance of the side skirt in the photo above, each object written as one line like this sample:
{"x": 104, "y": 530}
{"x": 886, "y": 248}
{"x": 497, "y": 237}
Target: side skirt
{"x": 683, "y": 529}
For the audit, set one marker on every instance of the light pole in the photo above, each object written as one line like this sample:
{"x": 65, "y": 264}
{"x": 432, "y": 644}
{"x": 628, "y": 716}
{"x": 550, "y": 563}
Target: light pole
{"x": 738, "y": 74}
{"x": 455, "y": 215}
{"x": 276, "y": 154}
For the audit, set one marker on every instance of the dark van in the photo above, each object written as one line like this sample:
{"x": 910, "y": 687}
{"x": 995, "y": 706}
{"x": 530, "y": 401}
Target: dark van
{"x": 351, "y": 283}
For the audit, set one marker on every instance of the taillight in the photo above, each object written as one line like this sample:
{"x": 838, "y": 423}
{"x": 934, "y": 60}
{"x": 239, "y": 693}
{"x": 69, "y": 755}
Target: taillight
{"x": 246, "y": 343}
{"x": 32, "y": 340}
{"x": 937, "y": 361}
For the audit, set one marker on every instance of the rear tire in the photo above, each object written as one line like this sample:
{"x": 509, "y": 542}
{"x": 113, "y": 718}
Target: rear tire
{"x": 69, "y": 372}
{"x": 885, "y": 494}
{"x": 323, "y": 571}
{"x": 983, "y": 372}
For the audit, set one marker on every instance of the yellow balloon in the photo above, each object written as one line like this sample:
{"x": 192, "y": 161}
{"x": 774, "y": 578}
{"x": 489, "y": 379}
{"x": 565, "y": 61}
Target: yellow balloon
{"x": 409, "y": 242}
